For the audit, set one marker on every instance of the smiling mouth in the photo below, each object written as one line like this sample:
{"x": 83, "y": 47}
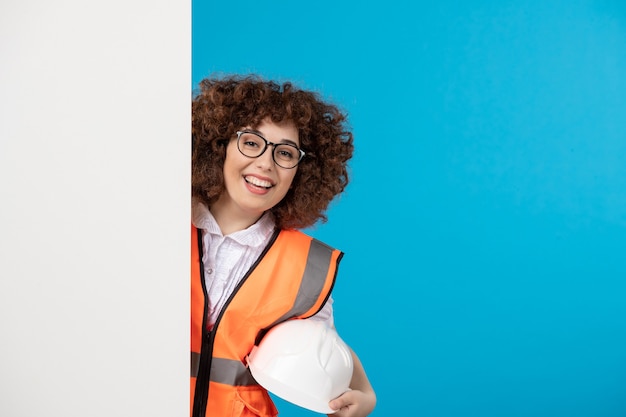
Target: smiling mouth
{"x": 258, "y": 182}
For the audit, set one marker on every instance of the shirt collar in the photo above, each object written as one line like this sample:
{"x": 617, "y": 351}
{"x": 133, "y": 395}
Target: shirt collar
{"x": 255, "y": 235}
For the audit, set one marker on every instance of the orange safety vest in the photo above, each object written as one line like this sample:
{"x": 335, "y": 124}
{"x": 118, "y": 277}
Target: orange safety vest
{"x": 292, "y": 278}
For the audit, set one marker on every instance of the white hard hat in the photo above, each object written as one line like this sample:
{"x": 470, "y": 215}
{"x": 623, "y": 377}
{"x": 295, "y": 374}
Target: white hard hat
{"x": 304, "y": 362}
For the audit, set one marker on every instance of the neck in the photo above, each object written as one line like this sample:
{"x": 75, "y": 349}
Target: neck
{"x": 231, "y": 221}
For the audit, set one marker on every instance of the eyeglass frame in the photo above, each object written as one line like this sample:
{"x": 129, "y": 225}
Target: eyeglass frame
{"x": 267, "y": 144}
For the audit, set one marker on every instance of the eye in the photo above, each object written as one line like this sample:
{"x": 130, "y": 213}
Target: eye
{"x": 286, "y": 152}
{"x": 251, "y": 141}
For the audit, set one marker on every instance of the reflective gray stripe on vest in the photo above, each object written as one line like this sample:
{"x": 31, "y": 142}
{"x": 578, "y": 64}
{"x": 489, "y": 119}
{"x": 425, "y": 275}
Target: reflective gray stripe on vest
{"x": 231, "y": 372}
{"x": 313, "y": 280}
{"x": 195, "y": 364}
{"x": 225, "y": 371}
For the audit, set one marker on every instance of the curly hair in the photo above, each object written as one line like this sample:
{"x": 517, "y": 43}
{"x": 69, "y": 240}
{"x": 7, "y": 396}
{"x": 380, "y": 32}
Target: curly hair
{"x": 221, "y": 106}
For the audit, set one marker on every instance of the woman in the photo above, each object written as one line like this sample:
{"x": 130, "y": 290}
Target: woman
{"x": 267, "y": 160}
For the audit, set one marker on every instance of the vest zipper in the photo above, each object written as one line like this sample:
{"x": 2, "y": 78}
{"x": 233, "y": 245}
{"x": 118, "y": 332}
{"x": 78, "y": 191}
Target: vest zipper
{"x": 201, "y": 395}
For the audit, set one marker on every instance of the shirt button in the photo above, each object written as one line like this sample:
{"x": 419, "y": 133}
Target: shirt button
{"x": 209, "y": 271}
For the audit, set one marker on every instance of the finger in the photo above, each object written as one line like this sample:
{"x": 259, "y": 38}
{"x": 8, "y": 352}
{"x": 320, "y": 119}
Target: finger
{"x": 340, "y": 402}
{"x": 338, "y": 413}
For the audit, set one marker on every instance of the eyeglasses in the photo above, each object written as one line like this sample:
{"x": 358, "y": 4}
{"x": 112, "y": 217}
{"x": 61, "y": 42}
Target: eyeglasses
{"x": 253, "y": 145}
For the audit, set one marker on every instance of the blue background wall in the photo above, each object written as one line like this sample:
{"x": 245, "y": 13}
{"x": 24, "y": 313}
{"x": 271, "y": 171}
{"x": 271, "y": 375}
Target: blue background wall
{"x": 485, "y": 224}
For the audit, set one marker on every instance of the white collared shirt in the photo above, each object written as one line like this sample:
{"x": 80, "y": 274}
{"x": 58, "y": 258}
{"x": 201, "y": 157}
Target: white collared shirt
{"x": 227, "y": 258}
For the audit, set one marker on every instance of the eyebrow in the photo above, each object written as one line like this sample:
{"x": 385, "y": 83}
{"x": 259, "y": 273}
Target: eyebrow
{"x": 285, "y": 141}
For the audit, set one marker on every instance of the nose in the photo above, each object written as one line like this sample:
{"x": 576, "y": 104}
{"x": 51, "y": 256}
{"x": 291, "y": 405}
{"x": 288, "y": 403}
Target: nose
{"x": 265, "y": 161}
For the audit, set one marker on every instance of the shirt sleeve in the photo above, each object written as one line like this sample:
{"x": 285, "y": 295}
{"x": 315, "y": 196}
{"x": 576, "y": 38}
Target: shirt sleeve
{"x": 326, "y": 313}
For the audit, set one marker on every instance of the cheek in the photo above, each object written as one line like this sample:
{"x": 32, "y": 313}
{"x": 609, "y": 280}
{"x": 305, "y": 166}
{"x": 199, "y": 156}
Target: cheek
{"x": 289, "y": 179}
{"x": 232, "y": 162}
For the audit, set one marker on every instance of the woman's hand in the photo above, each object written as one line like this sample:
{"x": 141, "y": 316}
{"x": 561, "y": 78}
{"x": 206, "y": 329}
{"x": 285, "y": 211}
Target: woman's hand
{"x": 353, "y": 403}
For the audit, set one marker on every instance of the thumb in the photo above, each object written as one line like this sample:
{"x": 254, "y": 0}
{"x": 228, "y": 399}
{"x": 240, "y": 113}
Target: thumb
{"x": 340, "y": 402}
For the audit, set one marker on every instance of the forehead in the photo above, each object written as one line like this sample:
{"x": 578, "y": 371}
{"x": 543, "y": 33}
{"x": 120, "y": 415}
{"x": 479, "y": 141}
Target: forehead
{"x": 279, "y": 132}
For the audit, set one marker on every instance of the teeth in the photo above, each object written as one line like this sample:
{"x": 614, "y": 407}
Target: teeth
{"x": 258, "y": 182}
